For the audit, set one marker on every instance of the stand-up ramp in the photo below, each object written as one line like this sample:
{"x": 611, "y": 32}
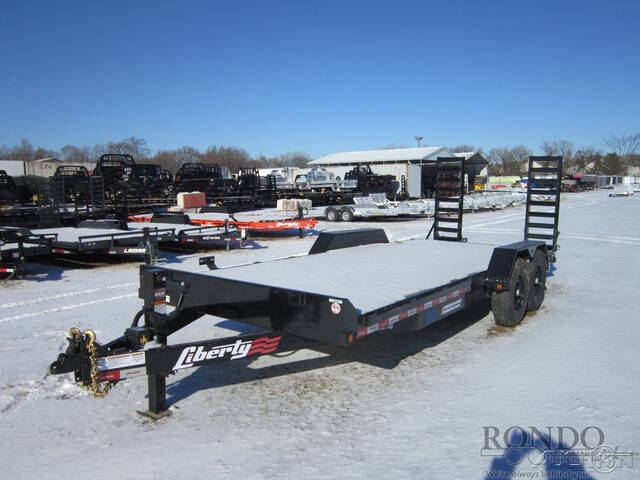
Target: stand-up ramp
{"x": 543, "y": 201}
{"x": 447, "y": 224}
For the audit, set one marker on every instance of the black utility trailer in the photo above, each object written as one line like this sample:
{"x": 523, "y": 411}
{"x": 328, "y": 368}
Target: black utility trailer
{"x": 196, "y": 237}
{"x": 108, "y": 237}
{"x": 16, "y": 245}
{"x": 384, "y": 287}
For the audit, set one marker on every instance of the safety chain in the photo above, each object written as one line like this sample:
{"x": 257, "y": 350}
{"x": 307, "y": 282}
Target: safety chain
{"x": 94, "y": 388}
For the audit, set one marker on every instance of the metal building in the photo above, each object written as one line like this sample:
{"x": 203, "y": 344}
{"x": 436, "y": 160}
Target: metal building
{"x": 13, "y": 167}
{"x": 416, "y": 165}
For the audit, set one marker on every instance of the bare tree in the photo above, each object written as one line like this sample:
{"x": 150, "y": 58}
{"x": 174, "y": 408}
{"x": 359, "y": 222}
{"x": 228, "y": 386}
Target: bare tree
{"x": 45, "y": 153}
{"x": 174, "y": 159}
{"x": 134, "y": 146}
{"x": 23, "y": 151}
{"x": 509, "y": 161}
{"x": 232, "y": 157}
{"x": 74, "y": 154}
{"x": 264, "y": 162}
{"x": 563, "y": 148}
{"x": 4, "y": 153}
{"x": 466, "y": 148}
{"x": 295, "y": 159}
{"x": 624, "y": 145}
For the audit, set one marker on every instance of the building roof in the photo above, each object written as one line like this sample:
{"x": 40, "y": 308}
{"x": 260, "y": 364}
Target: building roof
{"x": 391, "y": 155}
{"x": 48, "y": 159}
{"x": 465, "y": 155}
{"x": 472, "y": 158}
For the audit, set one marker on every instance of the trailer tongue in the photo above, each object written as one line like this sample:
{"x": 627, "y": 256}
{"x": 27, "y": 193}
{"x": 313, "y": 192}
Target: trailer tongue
{"x": 337, "y": 294}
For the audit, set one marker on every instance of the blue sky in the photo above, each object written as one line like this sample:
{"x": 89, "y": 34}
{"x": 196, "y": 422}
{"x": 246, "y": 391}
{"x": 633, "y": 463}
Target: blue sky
{"x": 318, "y": 76}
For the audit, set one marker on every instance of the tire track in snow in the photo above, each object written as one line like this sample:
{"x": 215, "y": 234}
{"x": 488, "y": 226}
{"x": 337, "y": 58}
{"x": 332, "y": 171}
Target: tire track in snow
{"x": 65, "y": 295}
{"x": 65, "y": 308}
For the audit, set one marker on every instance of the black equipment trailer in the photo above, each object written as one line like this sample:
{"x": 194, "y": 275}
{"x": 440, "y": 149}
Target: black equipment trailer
{"x": 108, "y": 237}
{"x": 196, "y": 237}
{"x": 401, "y": 286}
{"x": 18, "y": 244}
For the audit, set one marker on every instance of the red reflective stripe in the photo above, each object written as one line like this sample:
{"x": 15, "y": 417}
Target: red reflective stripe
{"x": 109, "y": 376}
{"x": 361, "y": 332}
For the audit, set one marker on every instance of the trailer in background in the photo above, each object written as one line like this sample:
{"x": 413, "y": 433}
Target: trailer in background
{"x": 373, "y": 206}
{"x": 18, "y": 244}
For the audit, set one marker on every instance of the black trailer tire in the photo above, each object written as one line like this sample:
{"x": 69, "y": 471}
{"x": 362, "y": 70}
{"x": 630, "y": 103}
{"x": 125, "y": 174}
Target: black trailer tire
{"x": 331, "y": 214}
{"x": 346, "y": 215}
{"x": 538, "y": 280}
{"x": 509, "y": 307}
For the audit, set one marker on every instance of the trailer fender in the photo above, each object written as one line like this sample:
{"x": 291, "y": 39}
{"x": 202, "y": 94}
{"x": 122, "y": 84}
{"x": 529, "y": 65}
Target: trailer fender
{"x": 504, "y": 258}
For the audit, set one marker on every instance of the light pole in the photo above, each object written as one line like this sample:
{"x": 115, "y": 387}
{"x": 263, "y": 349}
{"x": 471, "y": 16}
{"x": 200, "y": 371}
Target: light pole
{"x": 419, "y": 139}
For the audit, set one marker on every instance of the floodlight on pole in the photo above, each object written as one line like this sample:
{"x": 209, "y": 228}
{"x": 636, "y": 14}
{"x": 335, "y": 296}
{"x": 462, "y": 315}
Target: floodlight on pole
{"x": 419, "y": 139}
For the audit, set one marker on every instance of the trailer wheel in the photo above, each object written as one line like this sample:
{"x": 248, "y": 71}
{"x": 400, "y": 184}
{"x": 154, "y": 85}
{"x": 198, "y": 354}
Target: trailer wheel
{"x": 331, "y": 214}
{"x": 346, "y": 215}
{"x": 538, "y": 280}
{"x": 510, "y": 306}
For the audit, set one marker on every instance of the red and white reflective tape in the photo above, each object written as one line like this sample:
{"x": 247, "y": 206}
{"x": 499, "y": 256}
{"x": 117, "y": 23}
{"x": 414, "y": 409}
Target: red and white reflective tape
{"x": 113, "y": 375}
{"x": 60, "y": 250}
{"x": 388, "y": 323}
{"x": 6, "y": 270}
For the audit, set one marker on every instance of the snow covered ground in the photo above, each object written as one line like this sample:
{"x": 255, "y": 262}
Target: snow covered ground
{"x": 407, "y": 406}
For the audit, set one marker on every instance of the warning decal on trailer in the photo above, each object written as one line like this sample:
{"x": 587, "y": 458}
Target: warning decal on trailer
{"x": 121, "y": 361}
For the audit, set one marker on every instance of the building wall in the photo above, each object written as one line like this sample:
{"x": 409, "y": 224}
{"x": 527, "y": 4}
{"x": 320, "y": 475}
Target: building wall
{"x": 42, "y": 169}
{"x": 12, "y": 167}
{"x": 48, "y": 168}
